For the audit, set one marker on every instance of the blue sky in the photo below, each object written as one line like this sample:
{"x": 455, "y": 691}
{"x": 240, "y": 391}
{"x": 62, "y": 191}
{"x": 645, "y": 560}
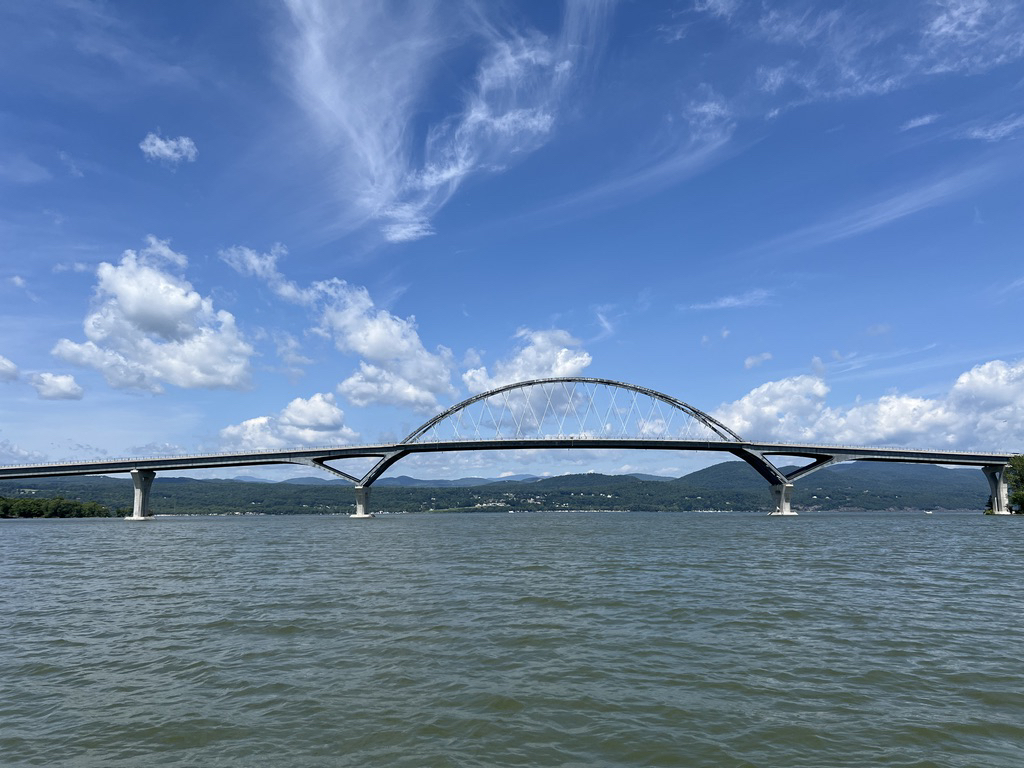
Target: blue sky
{"x": 246, "y": 225}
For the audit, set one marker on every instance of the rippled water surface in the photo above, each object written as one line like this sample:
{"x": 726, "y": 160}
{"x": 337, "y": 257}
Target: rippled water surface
{"x": 555, "y": 639}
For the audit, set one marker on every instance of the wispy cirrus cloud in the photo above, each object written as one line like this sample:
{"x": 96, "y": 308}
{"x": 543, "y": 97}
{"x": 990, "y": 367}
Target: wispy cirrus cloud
{"x": 996, "y": 131}
{"x": 808, "y": 54}
{"x": 753, "y": 298}
{"x": 919, "y": 122}
{"x": 362, "y": 74}
{"x": 879, "y": 213}
{"x": 703, "y": 136}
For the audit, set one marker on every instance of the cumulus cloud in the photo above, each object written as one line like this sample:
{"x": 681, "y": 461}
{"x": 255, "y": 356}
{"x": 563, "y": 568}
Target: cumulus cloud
{"x": 148, "y": 326}
{"x": 8, "y": 370}
{"x": 13, "y": 454}
{"x": 52, "y": 386}
{"x": 540, "y": 354}
{"x": 170, "y": 151}
{"x": 361, "y": 73}
{"x": 396, "y": 368}
{"x": 316, "y": 420}
{"x": 983, "y": 410}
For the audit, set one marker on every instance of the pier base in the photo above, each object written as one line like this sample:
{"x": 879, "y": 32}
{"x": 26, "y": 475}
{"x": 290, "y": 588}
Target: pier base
{"x": 142, "y": 479}
{"x": 781, "y": 495}
{"x": 997, "y": 486}
{"x": 362, "y": 497}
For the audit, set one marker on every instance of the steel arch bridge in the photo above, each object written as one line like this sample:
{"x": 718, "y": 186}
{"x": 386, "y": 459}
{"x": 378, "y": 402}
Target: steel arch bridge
{"x": 564, "y": 413}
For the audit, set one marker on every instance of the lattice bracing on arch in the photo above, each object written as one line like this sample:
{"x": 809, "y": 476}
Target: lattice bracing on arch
{"x": 571, "y": 407}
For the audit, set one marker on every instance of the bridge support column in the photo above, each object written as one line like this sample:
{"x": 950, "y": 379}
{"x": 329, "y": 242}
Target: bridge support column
{"x": 362, "y": 497}
{"x": 142, "y": 479}
{"x": 997, "y": 485}
{"x": 781, "y": 495}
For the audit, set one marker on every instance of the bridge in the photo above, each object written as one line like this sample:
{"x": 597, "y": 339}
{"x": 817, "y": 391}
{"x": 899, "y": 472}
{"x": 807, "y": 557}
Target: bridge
{"x": 559, "y": 413}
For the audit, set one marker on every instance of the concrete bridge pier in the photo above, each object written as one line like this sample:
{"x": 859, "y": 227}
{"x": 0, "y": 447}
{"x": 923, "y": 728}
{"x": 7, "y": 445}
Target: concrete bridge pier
{"x": 782, "y": 493}
{"x": 142, "y": 479}
{"x": 362, "y": 497}
{"x": 997, "y": 486}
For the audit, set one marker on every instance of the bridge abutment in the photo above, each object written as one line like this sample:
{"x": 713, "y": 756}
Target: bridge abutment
{"x": 997, "y": 486}
{"x": 142, "y": 479}
{"x": 362, "y": 498}
{"x": 782, "y": 494}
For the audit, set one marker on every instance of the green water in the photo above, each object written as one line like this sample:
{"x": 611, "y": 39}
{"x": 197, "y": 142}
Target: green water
{"x": 557, "y": 639}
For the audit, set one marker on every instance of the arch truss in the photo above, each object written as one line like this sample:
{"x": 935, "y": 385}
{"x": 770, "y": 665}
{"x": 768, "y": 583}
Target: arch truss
{"x": 571, "y": 407}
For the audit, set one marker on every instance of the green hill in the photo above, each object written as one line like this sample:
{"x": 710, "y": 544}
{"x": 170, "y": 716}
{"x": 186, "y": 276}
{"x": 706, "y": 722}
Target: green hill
{"x": 729, "y": 485}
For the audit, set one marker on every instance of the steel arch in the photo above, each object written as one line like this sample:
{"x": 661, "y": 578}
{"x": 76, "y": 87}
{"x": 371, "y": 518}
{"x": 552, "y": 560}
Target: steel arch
{"x": 712, "y": 424}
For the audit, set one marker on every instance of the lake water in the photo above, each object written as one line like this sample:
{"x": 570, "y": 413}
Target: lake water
{"x": 560, "y": 639}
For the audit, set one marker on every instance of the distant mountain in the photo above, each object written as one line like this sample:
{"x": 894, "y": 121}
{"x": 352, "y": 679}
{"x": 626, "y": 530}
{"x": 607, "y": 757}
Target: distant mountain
{"x": 404, "y": 481}
{"x": 324, "y": 479}
{"x": 250, "y": 479}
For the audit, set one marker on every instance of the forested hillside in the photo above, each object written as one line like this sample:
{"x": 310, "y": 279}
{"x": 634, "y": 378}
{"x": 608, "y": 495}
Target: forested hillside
{"x": 730, "y": 485}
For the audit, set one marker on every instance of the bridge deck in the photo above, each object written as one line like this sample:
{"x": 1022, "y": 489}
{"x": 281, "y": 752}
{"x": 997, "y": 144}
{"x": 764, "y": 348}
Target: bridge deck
{"x": 378, "y": 451}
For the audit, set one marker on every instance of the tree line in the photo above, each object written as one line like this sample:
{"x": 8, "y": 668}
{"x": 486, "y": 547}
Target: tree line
{"x": 1015, "y": 481}
{"x": 55, "y": 507}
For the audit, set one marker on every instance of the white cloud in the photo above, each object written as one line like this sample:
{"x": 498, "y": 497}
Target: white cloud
{"x": 288, "y": 350}
{"x": 973, "y": 35}
{"x": 874, "y": 215}
{"x": 246, "y": 261}
{"x": 361, "y": 73}
{"x": 74, "y": 266}
{"x": 755, "y": 360}
{"x": 919, "y": 122}
{"x": 753, "y": 298}
{"x": 721, "y": 8}
{"x": 316, "y": 420}
{"x": 13, "y": 454}
{"x": 149, "y": 326}
{"x": 171, "y": 151}
{"x": 808, "y": 54}
{"x": 52, "y": 386}
{"x": 8, "y": 370}
{"x": 541, "y": 354}
{"x": 776, "y": 409}
{"x": 709, "y": 118}
{"x": 396, "y": 369}
{"x": 983, "y": 410}
{"x": 993, "y": 132}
